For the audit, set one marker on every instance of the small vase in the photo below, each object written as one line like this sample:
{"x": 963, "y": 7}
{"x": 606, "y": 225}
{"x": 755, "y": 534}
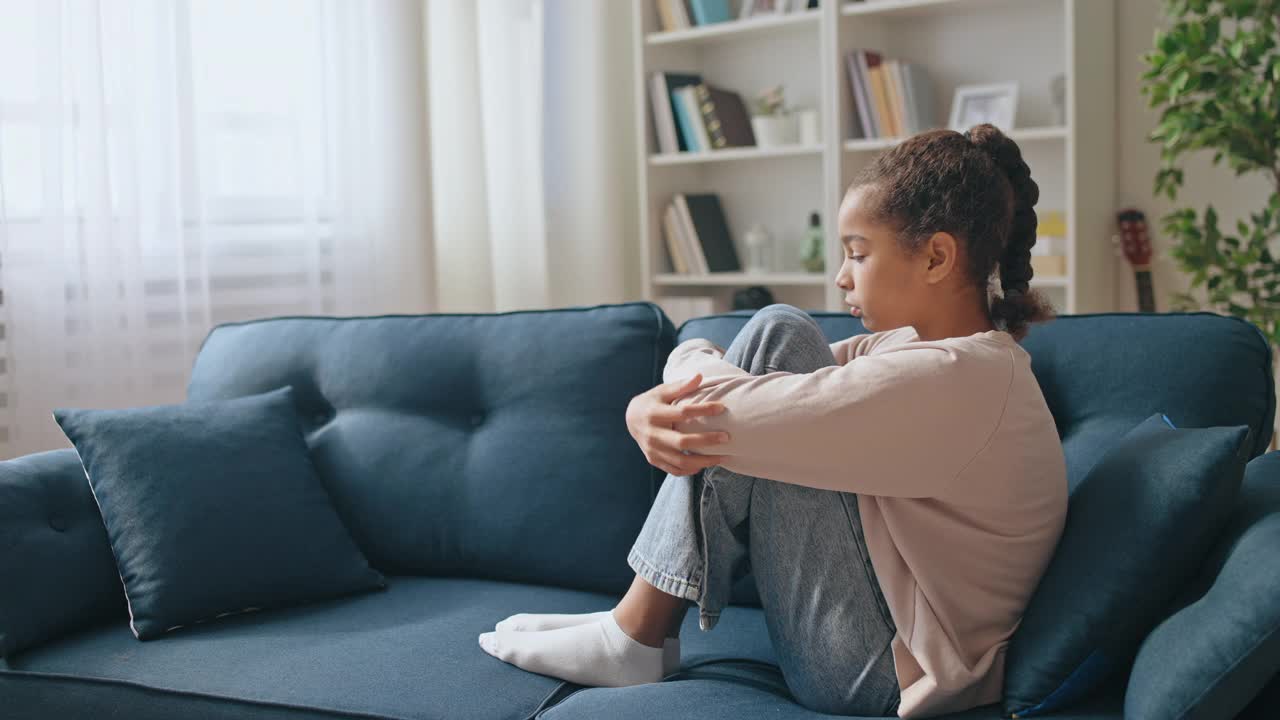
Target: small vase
{"x": 774, "y": 130}
{"x": 807, "y": 120}
{"x": 757, "y": 241}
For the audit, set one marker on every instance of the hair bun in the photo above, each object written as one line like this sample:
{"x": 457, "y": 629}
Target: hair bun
{"x": 1007, "y": 156}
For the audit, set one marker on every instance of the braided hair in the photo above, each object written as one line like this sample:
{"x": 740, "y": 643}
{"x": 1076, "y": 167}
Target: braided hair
{"x": 976, "y": 187}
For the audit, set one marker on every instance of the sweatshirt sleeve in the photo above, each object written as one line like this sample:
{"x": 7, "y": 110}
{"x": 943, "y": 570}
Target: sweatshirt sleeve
{"x": 862, "y": 344}
{"x": 901, "y": 423}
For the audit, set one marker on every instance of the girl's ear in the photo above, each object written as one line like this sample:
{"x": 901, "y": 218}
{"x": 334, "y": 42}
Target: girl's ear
{"x": 942, "y": 254}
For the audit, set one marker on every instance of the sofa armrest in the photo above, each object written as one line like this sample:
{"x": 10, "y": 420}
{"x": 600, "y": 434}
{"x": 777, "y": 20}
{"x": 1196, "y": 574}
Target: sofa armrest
{"x": 57, "y": 565}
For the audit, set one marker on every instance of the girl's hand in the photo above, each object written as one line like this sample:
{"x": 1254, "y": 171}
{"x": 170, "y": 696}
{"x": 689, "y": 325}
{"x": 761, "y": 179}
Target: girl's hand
{"x": 651, "y": 419}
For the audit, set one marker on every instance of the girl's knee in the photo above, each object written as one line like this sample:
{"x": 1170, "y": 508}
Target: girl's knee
{"x": 782, "y": 310}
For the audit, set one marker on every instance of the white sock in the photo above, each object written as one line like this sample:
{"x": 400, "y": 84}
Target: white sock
{"x": 595, "y": 654}
{"x": 532, "y": 622}
{"x": 535, "y": 622}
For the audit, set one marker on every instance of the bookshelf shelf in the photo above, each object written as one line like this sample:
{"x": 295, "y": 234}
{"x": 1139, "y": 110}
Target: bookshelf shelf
{"x": 744, "y": 153}
{"x": 714, "y": 279}
{"x": 1020, "y": 135}
{"x": 736, "y": 28}
{"x": 906, "y": 8}
{"x": 1070, "y": 149}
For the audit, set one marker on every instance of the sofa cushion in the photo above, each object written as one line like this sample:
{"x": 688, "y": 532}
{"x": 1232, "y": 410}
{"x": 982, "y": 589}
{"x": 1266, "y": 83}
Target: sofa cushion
{"x": 726, "y": 693}
{"x": 55, "y": 563}
{"x": 1103, "y": 374}
{"x": 213, "y": 508}
{"x": 1222, "y": 645}
{"x": 408, "y": 652}
{"x": 1137, "y": 527}
{"x": 483, "y": 445}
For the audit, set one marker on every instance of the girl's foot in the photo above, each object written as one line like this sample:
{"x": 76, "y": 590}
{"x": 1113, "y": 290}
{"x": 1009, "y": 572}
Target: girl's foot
{"x": 535, "y": 622}
{"x": 532, "y": 622}
{"x": 596, "y": 653}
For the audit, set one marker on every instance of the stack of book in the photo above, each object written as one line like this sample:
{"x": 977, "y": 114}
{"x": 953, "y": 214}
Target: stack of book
{"x": 891, "y": 98}
{"x": 676, "y": 14}
{"x": 698, "y": 237}
{"x": 690, "y": 115}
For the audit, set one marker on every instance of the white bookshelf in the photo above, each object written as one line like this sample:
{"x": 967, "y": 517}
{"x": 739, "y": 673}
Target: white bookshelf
{"x": 959, "y": 42}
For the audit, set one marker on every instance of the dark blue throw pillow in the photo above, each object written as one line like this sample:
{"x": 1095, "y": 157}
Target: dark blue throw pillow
{"x": 214, "y": 508}
{"x": 1222, "y": 643}
{"x": 1138, "y": 525}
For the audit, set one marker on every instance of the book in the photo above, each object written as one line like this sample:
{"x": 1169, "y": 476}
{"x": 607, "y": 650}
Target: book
{"x": 892, "y": 87}
{"x": 707, "y": 109}
{"x": 909, "y": 104}
{"x": 706, "y": 12}
{"x": 712, "y": 231}
{"x": 664, "y": 126}
{"x": 684, "y": 121}
{"x": 670, "y": 229}
{"x": 689, "y": 236}
{"x": 666, "y": 18}
{"x": 680, "y": 14}
{"x": 879, "y": 95}
{"x": 857, "y": 62}
{"x": 922, "y": 97}
{"x": 859, "y": 128}
{"x": 688, "y": 99}
{"x": 666, "y": 120}
{"x": 725, "y": 117}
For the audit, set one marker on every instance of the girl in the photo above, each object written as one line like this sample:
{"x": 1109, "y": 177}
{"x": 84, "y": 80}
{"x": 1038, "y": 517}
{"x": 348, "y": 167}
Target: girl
{"x": 897, "y": 495}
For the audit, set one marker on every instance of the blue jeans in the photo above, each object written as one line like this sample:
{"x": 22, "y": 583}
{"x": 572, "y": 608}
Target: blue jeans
{"x": 826, "y": 615}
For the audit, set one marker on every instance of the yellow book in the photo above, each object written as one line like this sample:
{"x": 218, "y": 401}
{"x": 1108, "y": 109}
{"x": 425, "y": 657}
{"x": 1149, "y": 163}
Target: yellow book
{"x": 664, "y": 15}
{"x": 880, "y": 98}
{"x": 894, "y": 91}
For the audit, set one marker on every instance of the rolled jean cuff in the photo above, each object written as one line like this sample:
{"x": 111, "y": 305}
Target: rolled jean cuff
{"x": 666, "y": 582}
{"x": 674, "y": 586}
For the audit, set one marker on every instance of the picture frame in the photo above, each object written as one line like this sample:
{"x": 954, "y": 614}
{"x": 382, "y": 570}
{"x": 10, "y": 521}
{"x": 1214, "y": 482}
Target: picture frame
{"x": 995, "y": 103}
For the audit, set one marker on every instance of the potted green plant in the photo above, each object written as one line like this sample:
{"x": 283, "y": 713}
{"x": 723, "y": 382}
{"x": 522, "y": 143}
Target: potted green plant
{"x": 1215, "y": 72}
{"x": 772, "y": 122}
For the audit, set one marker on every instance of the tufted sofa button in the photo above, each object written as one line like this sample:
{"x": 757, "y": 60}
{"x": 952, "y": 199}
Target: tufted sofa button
{"x": 477, "y": 420}
{"x": 58, "y": 523}
{"x": 320, "y": 418}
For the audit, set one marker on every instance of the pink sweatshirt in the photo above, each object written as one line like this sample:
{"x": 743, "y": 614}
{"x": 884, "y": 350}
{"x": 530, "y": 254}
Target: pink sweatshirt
{"x": 961, "y": 482}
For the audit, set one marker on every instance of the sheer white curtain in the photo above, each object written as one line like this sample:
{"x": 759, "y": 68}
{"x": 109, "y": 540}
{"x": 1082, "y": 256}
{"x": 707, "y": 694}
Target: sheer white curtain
{"x": 533, "y": 152}
{"x": 168, "y": 165}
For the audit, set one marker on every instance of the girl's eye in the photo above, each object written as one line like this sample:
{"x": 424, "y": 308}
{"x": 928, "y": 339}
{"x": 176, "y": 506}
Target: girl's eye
{"x": 856, "y": 258}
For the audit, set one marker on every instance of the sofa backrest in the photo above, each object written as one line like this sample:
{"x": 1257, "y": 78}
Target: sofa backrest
{"x": 487, "y": 445}
{"x": 1103, "y": 374}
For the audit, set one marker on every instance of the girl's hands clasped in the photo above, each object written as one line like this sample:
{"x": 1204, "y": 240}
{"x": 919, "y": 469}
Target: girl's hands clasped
{"x": 651, "y": 419}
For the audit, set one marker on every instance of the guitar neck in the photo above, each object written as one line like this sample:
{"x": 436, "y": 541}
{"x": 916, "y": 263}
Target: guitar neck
{"x": 1146, "y": 294}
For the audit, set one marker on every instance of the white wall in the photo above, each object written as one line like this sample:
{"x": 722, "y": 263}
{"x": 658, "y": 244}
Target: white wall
{"x": 1138, "y": 160}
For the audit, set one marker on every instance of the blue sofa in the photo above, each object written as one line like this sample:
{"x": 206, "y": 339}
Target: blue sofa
{"x": 482, "y": 463}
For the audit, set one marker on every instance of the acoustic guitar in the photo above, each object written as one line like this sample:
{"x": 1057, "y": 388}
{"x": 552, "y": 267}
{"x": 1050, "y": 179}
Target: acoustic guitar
{"x": 1136, "y": 246}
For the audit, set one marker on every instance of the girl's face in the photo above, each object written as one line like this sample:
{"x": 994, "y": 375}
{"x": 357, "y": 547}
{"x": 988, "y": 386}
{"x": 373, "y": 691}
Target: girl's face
{"x": 882, "y": 284}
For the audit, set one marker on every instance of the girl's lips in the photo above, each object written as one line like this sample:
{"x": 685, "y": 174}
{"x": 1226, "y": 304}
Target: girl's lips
{"x": 855, "y": 311}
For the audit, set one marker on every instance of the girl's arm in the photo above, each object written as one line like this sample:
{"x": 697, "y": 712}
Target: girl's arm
{"x": 902, "y": 422}
{"x": 858, "y": 345}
